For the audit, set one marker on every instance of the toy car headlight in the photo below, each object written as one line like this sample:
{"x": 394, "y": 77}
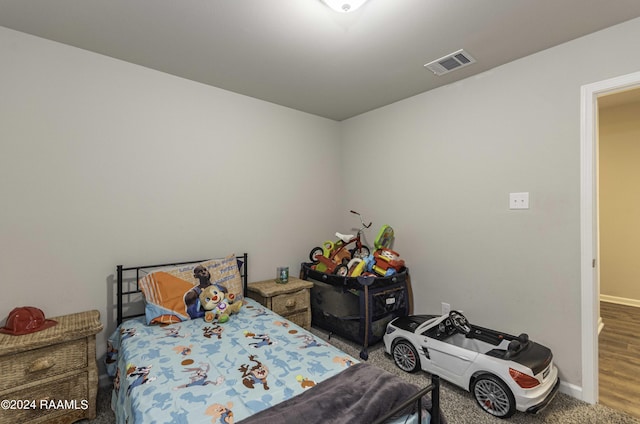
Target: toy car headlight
{"x": 390, "y": 329}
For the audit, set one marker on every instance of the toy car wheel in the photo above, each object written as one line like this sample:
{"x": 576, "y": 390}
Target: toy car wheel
{"x": 315, "y": 252}
{"x": 493, "y": 396}
{"x": 341, "y": 270}
{"x": 405, "y": 356}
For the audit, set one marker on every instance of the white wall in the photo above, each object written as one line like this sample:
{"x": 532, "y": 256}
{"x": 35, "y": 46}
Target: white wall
{"x": 103, "y": 163}
{"x": 441, "y": 166}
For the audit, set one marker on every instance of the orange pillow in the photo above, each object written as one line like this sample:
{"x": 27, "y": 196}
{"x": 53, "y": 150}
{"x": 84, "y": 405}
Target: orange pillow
{"x": 165, "y": 290}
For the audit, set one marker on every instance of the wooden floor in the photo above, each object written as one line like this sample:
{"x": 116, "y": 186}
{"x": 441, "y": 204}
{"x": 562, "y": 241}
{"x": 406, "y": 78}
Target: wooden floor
{"x": 619, "y": 358}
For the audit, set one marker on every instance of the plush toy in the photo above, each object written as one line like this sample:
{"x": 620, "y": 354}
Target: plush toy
{"x": 233, "y": 304}
{"x": 212, "y": 300}
{"x": 218, "y": 303}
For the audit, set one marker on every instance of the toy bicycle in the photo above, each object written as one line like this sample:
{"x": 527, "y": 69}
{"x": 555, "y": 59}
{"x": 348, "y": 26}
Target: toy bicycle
{"x": 333, "y": 258}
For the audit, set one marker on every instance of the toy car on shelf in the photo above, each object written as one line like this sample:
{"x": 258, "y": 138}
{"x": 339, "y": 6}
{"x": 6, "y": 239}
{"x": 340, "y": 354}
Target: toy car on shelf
{"x": 504, "y": 373}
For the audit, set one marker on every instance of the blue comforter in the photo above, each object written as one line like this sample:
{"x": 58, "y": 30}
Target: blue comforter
{"x": 194, "y": 372}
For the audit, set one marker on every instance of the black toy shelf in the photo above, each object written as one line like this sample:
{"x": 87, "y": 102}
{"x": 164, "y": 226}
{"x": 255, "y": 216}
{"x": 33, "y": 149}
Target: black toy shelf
{"x": 358, "y": 308}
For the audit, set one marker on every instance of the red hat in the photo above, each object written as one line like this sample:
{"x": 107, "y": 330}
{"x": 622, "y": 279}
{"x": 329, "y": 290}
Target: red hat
{"x": 25, "y": 320}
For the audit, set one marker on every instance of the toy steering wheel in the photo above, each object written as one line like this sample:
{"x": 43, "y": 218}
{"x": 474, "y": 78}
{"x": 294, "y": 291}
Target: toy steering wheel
{"x": 460, "y": 322}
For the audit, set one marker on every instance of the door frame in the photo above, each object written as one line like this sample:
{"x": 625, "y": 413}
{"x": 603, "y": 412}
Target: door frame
{"x": 589, "y": 243}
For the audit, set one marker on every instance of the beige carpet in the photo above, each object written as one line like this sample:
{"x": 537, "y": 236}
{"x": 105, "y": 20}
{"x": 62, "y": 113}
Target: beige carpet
{"x": 457, "y": 404}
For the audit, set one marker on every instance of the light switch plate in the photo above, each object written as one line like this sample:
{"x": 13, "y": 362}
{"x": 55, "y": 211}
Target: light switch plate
{"x": 519, "y": 200}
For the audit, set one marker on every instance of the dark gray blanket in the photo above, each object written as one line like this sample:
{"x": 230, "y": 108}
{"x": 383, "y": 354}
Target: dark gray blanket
{"x": 360, "y": 394}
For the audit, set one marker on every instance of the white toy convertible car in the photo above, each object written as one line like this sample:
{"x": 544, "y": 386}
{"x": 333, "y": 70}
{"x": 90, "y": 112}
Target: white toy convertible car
{"x": 505, "y": 373}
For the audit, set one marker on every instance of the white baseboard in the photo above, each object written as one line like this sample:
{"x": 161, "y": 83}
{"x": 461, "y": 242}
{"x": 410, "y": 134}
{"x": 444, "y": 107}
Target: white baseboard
{"x": 600, "y": 325}
{"x": 620, "y": 300}
{"x": 570, "y": 389}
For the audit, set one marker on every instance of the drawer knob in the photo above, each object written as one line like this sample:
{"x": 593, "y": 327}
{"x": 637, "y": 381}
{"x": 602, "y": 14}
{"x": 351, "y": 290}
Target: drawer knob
{"x": 290, "y": 303}
{"x": 41, "y": 364}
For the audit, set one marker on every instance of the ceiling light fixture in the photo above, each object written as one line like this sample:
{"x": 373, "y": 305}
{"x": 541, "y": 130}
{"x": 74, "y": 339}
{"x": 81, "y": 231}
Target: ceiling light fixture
{"x": 344, "y": 6}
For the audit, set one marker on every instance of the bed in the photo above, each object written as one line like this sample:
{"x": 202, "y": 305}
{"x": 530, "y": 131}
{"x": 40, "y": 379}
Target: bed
{"x": 257, "y": 367}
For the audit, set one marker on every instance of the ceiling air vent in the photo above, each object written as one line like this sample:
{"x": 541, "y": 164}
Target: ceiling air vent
{"x": 450, "y": 62}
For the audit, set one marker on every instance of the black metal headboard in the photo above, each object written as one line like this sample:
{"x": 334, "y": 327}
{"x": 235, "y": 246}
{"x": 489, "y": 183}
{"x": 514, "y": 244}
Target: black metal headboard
{"x": 124, "y": 294}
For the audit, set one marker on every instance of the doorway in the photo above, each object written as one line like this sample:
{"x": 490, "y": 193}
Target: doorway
{"x": 618, "y": 176}
{"x": 590, "y": 283}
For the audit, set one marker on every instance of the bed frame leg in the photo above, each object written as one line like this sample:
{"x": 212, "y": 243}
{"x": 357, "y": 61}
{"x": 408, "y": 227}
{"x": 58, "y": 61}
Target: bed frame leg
{"x": 435, "y": 400}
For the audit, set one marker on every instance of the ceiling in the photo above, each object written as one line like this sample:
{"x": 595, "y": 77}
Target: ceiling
{"x": 301, "y": 54}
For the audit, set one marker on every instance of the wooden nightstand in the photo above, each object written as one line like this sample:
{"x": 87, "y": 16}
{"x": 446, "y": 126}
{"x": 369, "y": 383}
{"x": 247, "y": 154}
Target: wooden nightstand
{"x": 52, "y": 372}
{"x": 291, "y": 300}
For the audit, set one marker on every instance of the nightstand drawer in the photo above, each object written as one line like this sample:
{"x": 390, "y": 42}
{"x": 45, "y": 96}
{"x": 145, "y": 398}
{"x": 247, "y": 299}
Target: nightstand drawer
{"x": 285, "y": 304}
{"x": 300, "y": 318}
{"x": 63, "y": 400}
{"x": 42, "y": 363}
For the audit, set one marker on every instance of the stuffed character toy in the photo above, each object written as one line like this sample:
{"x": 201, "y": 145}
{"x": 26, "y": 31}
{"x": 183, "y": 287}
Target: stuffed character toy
{"x": 233, "y": 304}
{"x": 212, "y": 300}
